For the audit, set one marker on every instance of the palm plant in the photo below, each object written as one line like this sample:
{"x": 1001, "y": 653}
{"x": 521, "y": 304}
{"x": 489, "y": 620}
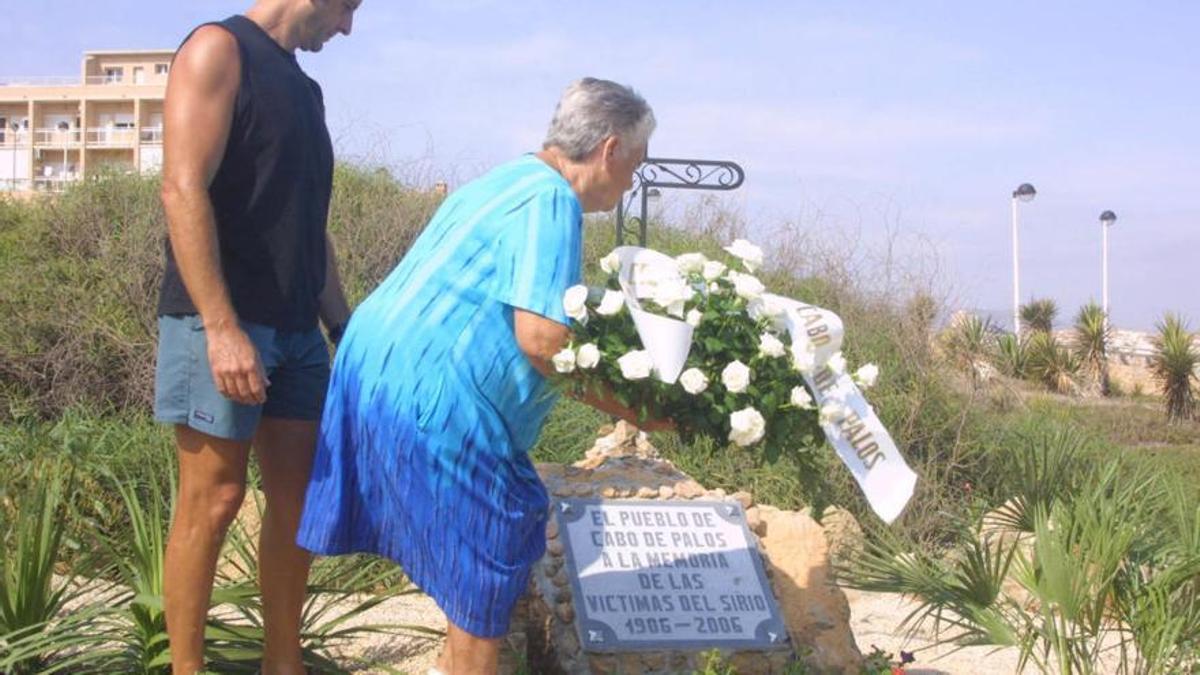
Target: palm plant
{"x": 1174, "y": 365}
{"x": 1092, "y": 338}
{"x": 1039, "y": 315}
{"x": 1052, "y": 364}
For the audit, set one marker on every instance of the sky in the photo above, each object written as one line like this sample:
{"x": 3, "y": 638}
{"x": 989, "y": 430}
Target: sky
{"x": 861, "y": 122}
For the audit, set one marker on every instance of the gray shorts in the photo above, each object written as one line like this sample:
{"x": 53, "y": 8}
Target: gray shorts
{"x": 297, "y": 365}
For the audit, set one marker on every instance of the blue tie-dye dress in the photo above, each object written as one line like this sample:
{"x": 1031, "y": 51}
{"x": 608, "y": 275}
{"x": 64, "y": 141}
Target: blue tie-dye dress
{"x": 432, "y": 406}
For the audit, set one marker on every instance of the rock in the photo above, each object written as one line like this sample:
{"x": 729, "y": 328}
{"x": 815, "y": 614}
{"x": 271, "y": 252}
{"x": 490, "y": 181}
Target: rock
{"x": 555, "y": 547}
{"x": 583, "y": 490}
{"x": 743, "y": 498}
{"x": 718, "y": 493}
{"x": 609, "y": 492}
{"x": 754, "y": 521}
{"x": 816, "y": 611}
{"x": 666, "y": 492}
{"x": 561, "y": 491}
{"x": 689, "y": 489}
{"x": 561, "y": 580}
{"x": 552, "y": 528}
{"x": 646, "y": 492}
{"x": 605, "y": 429}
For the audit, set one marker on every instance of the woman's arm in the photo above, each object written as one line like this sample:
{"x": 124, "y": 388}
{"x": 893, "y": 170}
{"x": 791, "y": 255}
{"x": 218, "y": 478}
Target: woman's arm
{"x": 540, "y": 339}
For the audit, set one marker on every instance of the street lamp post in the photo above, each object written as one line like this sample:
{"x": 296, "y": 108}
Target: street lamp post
{"x": 1106, "y": 221}
{"x": 1024, "y": 193}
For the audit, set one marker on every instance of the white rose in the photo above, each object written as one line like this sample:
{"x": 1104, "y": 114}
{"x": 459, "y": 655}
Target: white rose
{"x": 803, "y": 359}
{"x": 694, "y": 317}
{"x": 636, "y": 365}
{"x": 693, "y": 380}
{"x": 690, "y": 263}
{"x": 867, "y": 375}
{"x": 747, "y": 286}
{"x": 564, "y": 361}
{"x": 671, "y": 294}
{"x": 612, "y": 303}
{"x": 765, "y": 307}
{"x": 611, "y": 263}
{"x": 801, "y": 398}
{"x": 575, "y": 302}
{"x": 588, "y": 356}
{"x": 751, "y": 255}
{"x": 833, "y": 412}
{"x": 746, "y": 426}
{"x": 769, "y": 345}
{"x": 713, "y": 269}
{"x": 736, "y": 377}
{"x": 837, "y": 363}
{"x": 714, "y": 288}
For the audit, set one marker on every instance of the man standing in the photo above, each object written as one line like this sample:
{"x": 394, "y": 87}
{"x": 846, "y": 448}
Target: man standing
{"x": 247, "y": 177}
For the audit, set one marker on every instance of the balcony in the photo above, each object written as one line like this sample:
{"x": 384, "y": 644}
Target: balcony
{"x": 156, "y": 80}
{"x": 57, "y": 138}
{"x": 111, "y": 137}
{"x": 152, "y": 135}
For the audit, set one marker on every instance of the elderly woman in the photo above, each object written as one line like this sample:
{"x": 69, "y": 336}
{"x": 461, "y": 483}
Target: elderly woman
{"x": 439, "y": 388}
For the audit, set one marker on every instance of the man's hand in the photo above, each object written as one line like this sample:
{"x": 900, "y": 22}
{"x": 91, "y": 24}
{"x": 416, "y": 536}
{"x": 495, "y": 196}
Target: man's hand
{"x": 237, "y": 369}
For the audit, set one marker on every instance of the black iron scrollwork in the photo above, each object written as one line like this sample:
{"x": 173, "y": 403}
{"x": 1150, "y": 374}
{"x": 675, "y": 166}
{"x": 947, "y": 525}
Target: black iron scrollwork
{"x": 681, "y": 174}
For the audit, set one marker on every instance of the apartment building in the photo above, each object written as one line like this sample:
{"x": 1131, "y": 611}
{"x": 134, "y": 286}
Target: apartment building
{"x": 54, "y": 130}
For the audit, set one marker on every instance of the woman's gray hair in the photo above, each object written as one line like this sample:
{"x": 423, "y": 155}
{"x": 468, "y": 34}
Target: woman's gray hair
{"x": 591, "y": 110}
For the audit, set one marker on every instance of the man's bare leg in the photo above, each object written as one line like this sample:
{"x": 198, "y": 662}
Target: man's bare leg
{"x": 212, "y": 483}
{"x": 285, "y": 452}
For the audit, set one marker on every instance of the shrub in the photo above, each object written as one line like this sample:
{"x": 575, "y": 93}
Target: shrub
{"x": 1012, "y": 356}
{"x": 1174, "y": 365}
{"x": 1038, "y": 315}
{"x": 1052, "y": 364}
{"x": 1092, "y": 338}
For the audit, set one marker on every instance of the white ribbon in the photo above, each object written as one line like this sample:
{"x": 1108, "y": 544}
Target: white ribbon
{"x": 860, "y": 440}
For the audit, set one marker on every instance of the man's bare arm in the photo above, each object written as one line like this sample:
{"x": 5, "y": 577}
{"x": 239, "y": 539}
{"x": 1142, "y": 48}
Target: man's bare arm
{"x": 197, "y": 114}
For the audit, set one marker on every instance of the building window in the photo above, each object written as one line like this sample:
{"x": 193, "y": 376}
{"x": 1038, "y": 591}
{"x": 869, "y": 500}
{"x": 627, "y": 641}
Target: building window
{"x": 161, "y": 68}
{"x": 139, "y": 75}
{"x": 114, "y": 75}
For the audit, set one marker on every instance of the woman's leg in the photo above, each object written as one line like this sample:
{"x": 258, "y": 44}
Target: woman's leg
{"x": 466, "y": 654}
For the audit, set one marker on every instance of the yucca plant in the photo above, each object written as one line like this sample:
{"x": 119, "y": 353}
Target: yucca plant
{"x": 1038, "y": 315}
{"x": 1092, "y": 338}
{"x": 1052, "y": 364}
{"x": 1112, "y": 560}
{"x": 341, "y": 591}
{"x": 1012, "y": 356}
{"x": 968, "y": 344}
{"x": 1174, "y": 365}
{"x": 30, "y": 597}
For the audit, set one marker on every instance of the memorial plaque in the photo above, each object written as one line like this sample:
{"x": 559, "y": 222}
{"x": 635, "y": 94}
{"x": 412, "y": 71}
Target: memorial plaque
{"x": 666, "y": 575}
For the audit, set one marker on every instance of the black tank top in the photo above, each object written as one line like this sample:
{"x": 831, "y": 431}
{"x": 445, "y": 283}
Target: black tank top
{"x": 271, "y": 192}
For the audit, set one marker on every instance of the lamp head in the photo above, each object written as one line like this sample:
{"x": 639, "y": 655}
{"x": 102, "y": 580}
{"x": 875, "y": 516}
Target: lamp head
{"x": 1108, "y": 218}
{"x": 1025, "y": 192}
